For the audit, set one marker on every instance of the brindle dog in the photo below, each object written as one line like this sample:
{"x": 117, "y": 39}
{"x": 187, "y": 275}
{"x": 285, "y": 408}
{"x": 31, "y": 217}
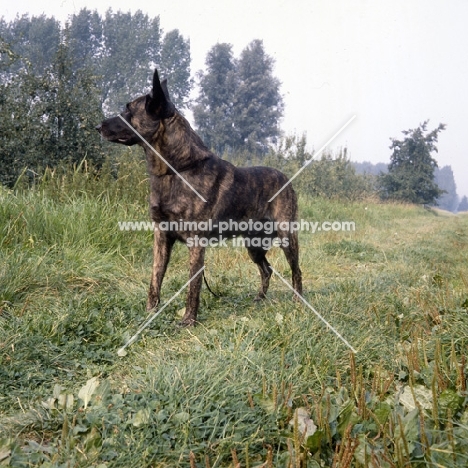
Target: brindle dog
{"x": 231, "y": 193}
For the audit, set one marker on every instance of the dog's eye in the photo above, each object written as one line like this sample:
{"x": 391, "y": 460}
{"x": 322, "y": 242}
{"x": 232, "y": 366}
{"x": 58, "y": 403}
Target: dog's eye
{"x": 127, "y": 110}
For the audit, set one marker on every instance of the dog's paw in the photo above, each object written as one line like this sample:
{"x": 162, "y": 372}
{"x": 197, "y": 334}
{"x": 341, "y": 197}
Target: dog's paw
{"x": 151, "y": 305}
{"x": 187, "y": 323}
{"x": 259, "y": 297}
{"x": 296, "y": 298}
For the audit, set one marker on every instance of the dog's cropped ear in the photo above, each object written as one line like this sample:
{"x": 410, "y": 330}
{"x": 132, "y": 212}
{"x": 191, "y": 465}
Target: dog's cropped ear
{"x": 158, "y": 104}
{"x": 165, "y": 90}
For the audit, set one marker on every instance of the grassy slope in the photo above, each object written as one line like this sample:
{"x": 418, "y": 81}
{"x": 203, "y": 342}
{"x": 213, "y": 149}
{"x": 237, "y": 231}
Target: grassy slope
{"x": 72, "y": 291}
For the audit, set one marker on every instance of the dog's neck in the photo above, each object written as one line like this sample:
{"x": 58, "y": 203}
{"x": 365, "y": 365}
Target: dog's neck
{"x": 178, "y": 144}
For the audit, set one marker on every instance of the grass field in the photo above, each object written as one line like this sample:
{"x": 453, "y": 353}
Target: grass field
{"x": 255, "y": 384}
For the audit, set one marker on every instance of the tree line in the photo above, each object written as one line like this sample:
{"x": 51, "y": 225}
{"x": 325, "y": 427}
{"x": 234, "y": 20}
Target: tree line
{"x": 118, "y": 49}
{"x": 57, "y": 82}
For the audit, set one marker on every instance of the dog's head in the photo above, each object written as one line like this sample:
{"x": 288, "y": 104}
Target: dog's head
{"x": 141, "y": 117}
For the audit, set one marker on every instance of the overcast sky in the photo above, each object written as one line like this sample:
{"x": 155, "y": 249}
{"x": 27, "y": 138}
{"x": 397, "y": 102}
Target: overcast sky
{"x": 393, "y": 64}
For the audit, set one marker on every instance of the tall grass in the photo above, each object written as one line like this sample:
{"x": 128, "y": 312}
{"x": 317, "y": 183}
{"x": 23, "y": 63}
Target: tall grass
{"x": 239, "y": 389}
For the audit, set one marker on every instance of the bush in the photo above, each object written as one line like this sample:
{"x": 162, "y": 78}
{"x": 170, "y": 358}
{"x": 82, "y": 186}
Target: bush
{"x": 331, "y": 176}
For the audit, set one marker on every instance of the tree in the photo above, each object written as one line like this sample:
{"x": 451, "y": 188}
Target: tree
{"x": 86, "y": 39}
{"x": 131, "y": 48}
{"x": 239, "y": 106}
{"x": 258, "y": 103}
{"x": 175, "y": 66}
{"x": 72, "y": 108}
{"x": 124, "y": 48}
{"x": 463, "y": 206}
{"x": 49, "y": 119}
{"x": 13, "y": 101}
{"x": 446, "y": 181}
{"x": 410, "y": 176}
{"x": 7, "y": 59}
{"x": 214, "y": 110}
{"x": 35, "y": 40}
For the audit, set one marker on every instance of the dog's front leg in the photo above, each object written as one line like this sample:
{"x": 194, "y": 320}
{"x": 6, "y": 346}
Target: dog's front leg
{"x": 197, "y": 260}
{"x": 161, "y": 254}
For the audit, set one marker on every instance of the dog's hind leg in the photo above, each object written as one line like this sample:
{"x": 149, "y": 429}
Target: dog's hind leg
{"x": 197, "y": 260}
{"x": 258, "y": 256}
{"x": 291, "y": 252}
{"x": 161, "y": 254}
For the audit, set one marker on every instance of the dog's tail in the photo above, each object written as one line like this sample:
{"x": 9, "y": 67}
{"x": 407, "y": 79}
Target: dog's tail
{"x": 208, "y": 286}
